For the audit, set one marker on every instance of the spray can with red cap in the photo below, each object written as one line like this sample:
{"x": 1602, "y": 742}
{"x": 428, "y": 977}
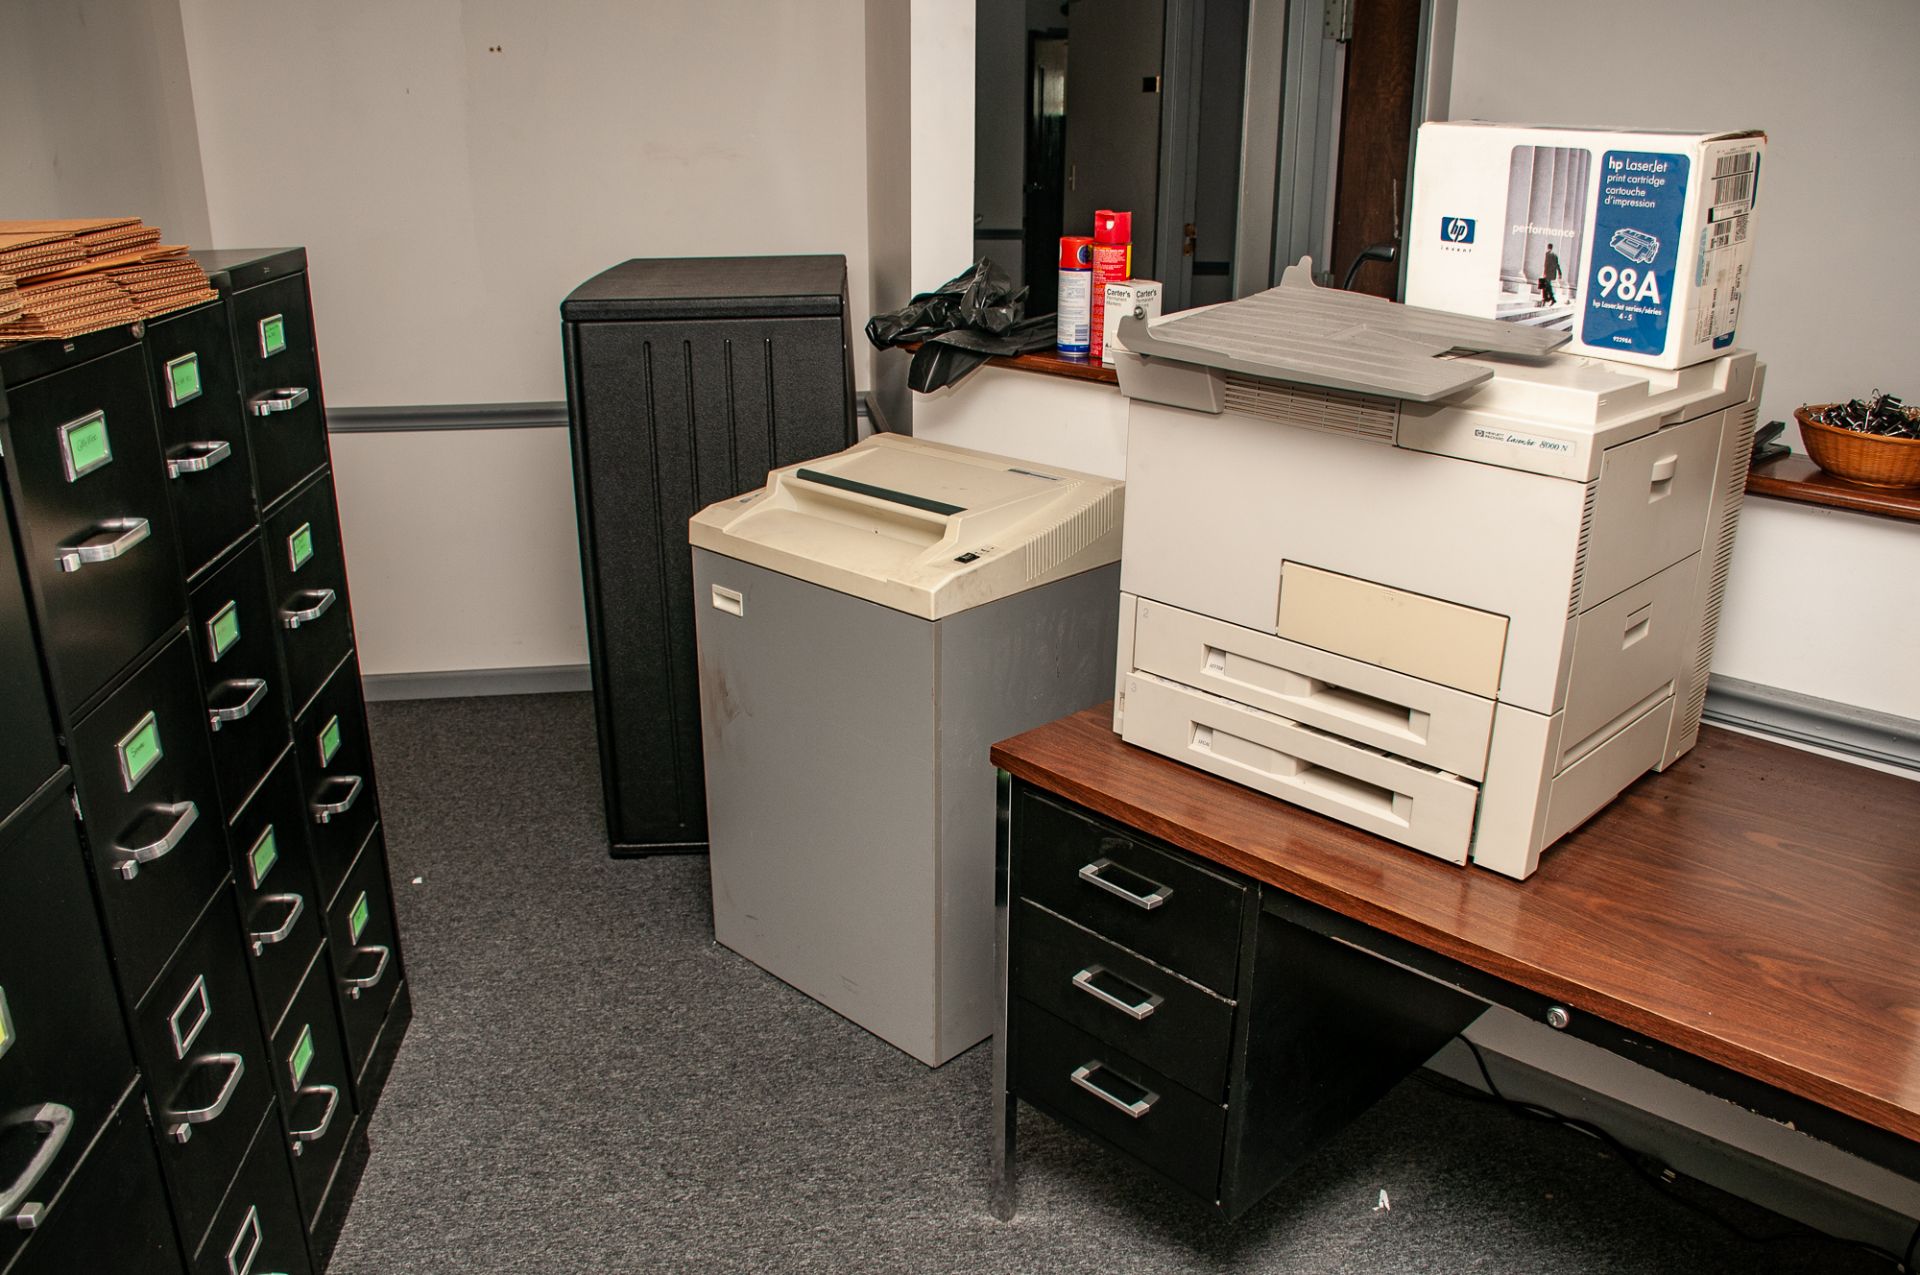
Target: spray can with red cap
{"x": 1074, "y": 322}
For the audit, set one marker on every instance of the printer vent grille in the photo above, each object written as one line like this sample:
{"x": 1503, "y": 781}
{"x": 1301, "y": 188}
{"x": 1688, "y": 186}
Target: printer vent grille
{"x": 1580, "y": 552}
{"x": 1739, "y": 449}
{"x": 1331, "y": 411}
{"x": 1058, "y": 545}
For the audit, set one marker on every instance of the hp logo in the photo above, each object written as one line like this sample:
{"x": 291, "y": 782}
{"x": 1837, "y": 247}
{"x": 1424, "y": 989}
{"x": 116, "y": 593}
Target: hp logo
{"x": 1456, "y": 229}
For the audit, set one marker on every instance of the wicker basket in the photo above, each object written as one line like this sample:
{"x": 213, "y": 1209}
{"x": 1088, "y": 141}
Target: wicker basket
{"x": 1872, "y": 460}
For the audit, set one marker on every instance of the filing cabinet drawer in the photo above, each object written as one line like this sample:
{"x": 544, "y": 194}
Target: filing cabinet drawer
{"x": 152, "y": 813}
{"x": 27, "y": 753}
{"x": 198, "y": 1039}
{"x": 1178, "y": 1028}
{"x": 316, "y": 1092}
{"x": 64, "y": 1060}
{"x": 1163, "y": 907}
{"x": 281, "y": 912}
{"x": 258, "y": 1229}
{"x": 233, "y": 640}
{"x": 279, "y": 384}
{"x": 336, "y": 775}
{"x": 202, "y": 432}
{"x": 1095, "y": 1088}
{"x": 112, "y": 1217}
{"x": 90, "y": 500}
{"x": 309, "y": 589}
{"x": 366, "y": 958}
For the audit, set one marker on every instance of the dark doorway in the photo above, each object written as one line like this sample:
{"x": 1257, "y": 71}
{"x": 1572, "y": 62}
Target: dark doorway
{"x": 1376, "y": 136}
{"x": 1044, "y": 188}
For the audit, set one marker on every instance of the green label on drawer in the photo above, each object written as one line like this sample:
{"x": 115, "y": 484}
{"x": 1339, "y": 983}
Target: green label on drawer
{"x": 84, "y": 445}
{"x": 265, "y": 853}
{"x": 139, "y": 751}
{"x": 357, "y": 919}
{"x": 183, "y": 379}
{"x": 329, "y": 741}
{"x": 223, "y": 630}
{"x": 273, "y": 335}
{"x": 302, "y": 1056}
{"x": 6, "y": 1024}
{"x": 300, "y": 546}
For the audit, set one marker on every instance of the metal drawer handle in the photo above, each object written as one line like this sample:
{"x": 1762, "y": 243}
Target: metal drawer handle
{"x": 56, "y": 1122}
{"x": 1091, "y": 874}
{"x": 294, "y": 617}
{"x": 355, "y": 986}
{"x": 184, "y": 813}
{"x": 1082, "y": 1076}
{"x": 261, "y": 940}
{"x": 324, "y": 811}
{"x": 303, "y": 1136}
{"x": 1136, "y": 1010}
{"x": 180, "y": 1127}
{"x": 107, "y": 541}
{"x": 256, "y": 689}
{"x": 280, "y": 400}
{"x": 198, "y": 458}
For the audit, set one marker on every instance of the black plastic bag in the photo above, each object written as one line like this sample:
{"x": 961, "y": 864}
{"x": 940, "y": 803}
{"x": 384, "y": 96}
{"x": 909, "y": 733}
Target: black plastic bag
{"x": 960, "y": 325}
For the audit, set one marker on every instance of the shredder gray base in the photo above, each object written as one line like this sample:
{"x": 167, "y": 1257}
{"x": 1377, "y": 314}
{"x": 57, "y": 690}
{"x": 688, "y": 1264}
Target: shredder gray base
{"x": 850, "y": 800}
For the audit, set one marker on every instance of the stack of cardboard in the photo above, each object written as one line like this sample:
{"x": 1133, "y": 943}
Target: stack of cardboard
{"x": 64, "y": 278}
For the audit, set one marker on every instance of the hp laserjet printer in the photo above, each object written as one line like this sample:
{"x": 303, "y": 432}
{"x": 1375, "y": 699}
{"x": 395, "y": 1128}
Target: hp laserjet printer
{"x": 1415, "y": 571}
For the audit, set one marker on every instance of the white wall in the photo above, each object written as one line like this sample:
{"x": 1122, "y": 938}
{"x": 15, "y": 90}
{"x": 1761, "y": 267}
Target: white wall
{"x": 1830, "y": 309}
{"x": 98, "y": 116}
{"x": 455, "y": 167}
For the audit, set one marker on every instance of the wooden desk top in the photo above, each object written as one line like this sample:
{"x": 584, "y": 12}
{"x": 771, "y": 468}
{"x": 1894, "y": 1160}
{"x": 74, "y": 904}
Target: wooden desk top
{"x": 1755, "y": 905}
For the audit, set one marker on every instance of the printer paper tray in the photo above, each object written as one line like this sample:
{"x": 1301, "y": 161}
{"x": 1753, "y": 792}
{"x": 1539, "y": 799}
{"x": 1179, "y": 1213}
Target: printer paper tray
{"x": 1426, "y": 809}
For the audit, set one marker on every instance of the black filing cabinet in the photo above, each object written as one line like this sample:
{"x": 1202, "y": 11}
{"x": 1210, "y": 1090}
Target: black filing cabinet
{"x": 186, "y": 1063}
{"x": 687, "y": 381}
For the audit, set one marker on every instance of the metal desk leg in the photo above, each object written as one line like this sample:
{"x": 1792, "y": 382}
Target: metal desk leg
{"x": 1004, "y": 1104}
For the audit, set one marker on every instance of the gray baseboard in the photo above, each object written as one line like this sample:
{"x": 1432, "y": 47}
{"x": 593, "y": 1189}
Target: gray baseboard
{"x": 546, "y": 679}
{"x": 1804, "y": 719}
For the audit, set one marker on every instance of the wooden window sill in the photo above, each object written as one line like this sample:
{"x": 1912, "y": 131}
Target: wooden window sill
{"x": 1798, "y": 479}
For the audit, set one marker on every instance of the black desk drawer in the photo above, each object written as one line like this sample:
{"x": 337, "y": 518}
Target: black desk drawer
{"x": 96, "y": 529}
{"x": 1177, "y": 1027}
{"x": 64, "y": 1059}
{"x": 146, "y": 785}
{"x": 316, "y": 1091}
{"x": 363, "y": 944}
{"x": 280, "y": 907}
{"x": 1090, "y": 1085}
{"x": 336, "y": 776}
{"x": 258, "y": 1229}
{"x": 118, "y": 1181}
{"x": 1163, "y": 907}
{"x": 233, "y": 639}
{"x": 279, "y": 384}
{"x": 27, "y": 753}
{"x": 309, "y": 589}
{"x": 202, "y": 432}
{"x": 199, "y": 1043}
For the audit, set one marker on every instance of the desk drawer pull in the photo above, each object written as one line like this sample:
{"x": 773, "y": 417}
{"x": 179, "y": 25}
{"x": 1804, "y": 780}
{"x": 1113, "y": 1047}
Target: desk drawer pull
{"x": 319, "y": 600}
{"x": 1108, "y": 875}
{"x": 180, "y": 1123}
{"x": 261, "y": 940}
{"x": 282, "y": 400}
{"x": 1142, "y": 1004}
{"x": 256, "y": 690}
{"x": 324, "y": 811}
{"x": 55, "y": 1122}
{"x": 1135, "y": 1106}
{"x": 303, "y": 1136}
{"x": 107, "y": 541}
{"x": 198, "y": 458}
{"x": 185, "y": 815}
{"x": 355, "y": 986}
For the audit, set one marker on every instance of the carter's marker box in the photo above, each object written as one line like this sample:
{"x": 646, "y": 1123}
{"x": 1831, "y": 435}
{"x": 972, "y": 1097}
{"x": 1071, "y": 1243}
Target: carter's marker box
{"x": 1638, "y": 243}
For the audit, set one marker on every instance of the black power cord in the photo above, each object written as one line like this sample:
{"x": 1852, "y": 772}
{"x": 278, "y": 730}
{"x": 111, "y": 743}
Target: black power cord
{"x": 1661, "y": 1183}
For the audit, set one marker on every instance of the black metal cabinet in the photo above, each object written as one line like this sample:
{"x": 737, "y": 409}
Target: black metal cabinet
{"x": 259, "y": 1228}
{"x": 234, "y": 643}
{"x": 279, "y": 383}
{"x": 308, "y": 571}
{"x": 280, "y": 906}
{"x": 687, "y": 381}
{"x": 336, "y": 772}
{"x": 315, "y": 1086}
{"x": 365, "y": 947}
{"x": 91, "y": 511}
{"x": 208, "y": 463}
{"x": 1158, "y": 1006}
{"x": 112, "y": 1215}
{"x": 28, "y": 753}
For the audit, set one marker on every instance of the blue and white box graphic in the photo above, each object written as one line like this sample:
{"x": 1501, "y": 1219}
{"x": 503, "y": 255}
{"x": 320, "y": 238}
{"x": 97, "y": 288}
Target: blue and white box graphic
{"x": 1637, "y": 244}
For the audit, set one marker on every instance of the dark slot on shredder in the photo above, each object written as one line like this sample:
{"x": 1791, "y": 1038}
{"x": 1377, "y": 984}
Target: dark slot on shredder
{"x": 688, "y": 380}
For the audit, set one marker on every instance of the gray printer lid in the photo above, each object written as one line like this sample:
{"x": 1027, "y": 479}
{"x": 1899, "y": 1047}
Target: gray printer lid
{"x": 1341, "y": 340}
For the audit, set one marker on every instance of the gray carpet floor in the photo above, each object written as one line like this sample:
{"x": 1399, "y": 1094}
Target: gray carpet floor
{"x": 591, "y": 1084}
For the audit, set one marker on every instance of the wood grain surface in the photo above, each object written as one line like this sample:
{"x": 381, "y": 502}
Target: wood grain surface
{"x": 1797, "y": 478}
{"x": 1755, "y": 905}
